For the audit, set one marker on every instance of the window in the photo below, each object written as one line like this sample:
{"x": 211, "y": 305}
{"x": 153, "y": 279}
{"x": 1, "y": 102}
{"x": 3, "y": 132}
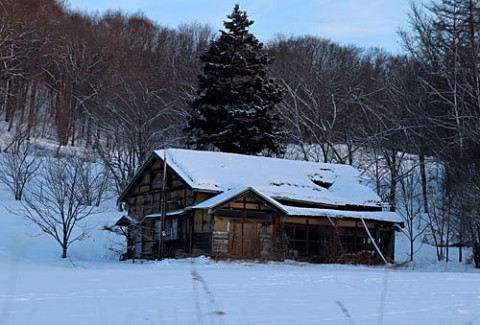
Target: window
{"x": 259, "y": 215}
{"x": 156, "y": 178}
{"x": 310, "y": 242}
{"x": 236, "y": 214}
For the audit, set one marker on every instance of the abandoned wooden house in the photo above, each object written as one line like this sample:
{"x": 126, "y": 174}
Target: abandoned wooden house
{"x": 191, "y": 203}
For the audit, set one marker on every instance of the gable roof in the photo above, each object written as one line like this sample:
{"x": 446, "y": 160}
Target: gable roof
{"x": 281, "y": 179}
{"x": 227, "y": 196}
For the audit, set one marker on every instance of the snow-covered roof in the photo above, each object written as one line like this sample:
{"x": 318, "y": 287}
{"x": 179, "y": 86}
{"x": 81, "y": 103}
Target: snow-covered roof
{"x": 280, "y": 179}
{"x": 126, "y": 220}
{"x": 168, "y": 213}
{"x": 329, "y": 213}
{"x": 226, "y": 196}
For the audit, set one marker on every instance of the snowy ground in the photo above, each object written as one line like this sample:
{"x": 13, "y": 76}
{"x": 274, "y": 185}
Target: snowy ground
{"x": 37, "y": 287}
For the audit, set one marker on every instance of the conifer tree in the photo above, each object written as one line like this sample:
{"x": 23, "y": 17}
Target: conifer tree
{"x": 234, "y": 107}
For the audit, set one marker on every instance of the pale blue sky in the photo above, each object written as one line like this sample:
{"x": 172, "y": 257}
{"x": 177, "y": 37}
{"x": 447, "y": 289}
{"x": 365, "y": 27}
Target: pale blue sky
{"x": 363, "y": 23}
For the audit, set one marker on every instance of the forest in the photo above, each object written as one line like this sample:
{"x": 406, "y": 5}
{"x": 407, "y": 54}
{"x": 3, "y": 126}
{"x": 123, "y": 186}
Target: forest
{"x": 119, "y": 86}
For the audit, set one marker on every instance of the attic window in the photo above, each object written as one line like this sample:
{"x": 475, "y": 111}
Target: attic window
{"x": 322, "y": 183}
{"x": 157, "y": 180}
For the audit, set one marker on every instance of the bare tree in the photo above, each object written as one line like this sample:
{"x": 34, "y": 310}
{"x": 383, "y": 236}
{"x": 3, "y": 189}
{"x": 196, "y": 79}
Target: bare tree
{"x": 410, "y": 208}
{"x": 95, "y": 184}
{"x": 55, "y": 200}
{"x": 444, "y": 38}
{"x": 141, "y": 105}
{"x": 321, "y": 79}
{"x": 440, "y": 211}
{"x": 18, "y": 167}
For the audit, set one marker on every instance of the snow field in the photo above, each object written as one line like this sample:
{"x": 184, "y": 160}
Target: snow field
{"x": 200, "y": 291}
{"x": 93, "y": 287}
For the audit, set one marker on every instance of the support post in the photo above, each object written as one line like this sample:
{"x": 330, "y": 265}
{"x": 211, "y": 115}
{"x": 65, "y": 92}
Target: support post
{"x": 161, "y": 242}
{"x": 374, "y": 241}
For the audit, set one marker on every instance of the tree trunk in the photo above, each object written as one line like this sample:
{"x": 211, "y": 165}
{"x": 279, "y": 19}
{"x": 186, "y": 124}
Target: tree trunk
{"x": 61, "y": 115}
{"x": 392, "y": 197}
{"x": 65, "y": 240}
{"x": 411, "y": 250}
{"x": 476, "y": 246}
{"x": 423, "y": 175}
{"x": 32, "y": 116}
{"x": 460, "y": 246}
{"x": 476, "y": 255}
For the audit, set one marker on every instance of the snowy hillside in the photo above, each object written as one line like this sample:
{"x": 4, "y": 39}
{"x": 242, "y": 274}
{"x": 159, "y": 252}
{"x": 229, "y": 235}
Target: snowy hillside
{"x": 93, "y": 287}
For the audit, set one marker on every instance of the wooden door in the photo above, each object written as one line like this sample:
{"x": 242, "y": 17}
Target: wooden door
{"x": 250, "y": 240}
{"x": 243, "y": 239}
{"x": 235, "y": 239}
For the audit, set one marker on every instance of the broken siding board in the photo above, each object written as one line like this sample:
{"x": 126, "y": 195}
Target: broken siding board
{"x": 220, "y": 225}
{"x": 202, "y": 221}
{"x": 189, "y": 197}
{"x": 200, "y": 196}
{"x": 220, "y": 244}
{"x": 268, "y": 230}
{"x": 197, "y": 221}
{"x": 266, "y": 244}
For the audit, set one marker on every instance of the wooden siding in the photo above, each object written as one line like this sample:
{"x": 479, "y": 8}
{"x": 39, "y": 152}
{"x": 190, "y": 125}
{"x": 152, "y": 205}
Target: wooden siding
{"x": 143, "y": 199}
{"x": 243, "y": 229}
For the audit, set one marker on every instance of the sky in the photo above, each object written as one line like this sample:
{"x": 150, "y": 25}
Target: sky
{"x": 364, "y": 23}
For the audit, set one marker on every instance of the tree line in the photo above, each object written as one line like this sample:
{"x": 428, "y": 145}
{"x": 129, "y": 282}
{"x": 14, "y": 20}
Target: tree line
{"x": 111, "y": 82}
{"x": 120, "y": 85}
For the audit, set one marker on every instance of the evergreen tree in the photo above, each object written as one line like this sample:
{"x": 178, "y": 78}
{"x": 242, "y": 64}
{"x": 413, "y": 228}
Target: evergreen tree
{"x": 234, "y": 107}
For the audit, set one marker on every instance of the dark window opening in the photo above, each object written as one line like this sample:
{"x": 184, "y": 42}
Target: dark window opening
{"x": 156, "y": 178}
{"x": 251, "y": 215}
{"x": 325, "y": 244}
{"x": 237, "y": 214}
{"x": 259, "y": 215}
